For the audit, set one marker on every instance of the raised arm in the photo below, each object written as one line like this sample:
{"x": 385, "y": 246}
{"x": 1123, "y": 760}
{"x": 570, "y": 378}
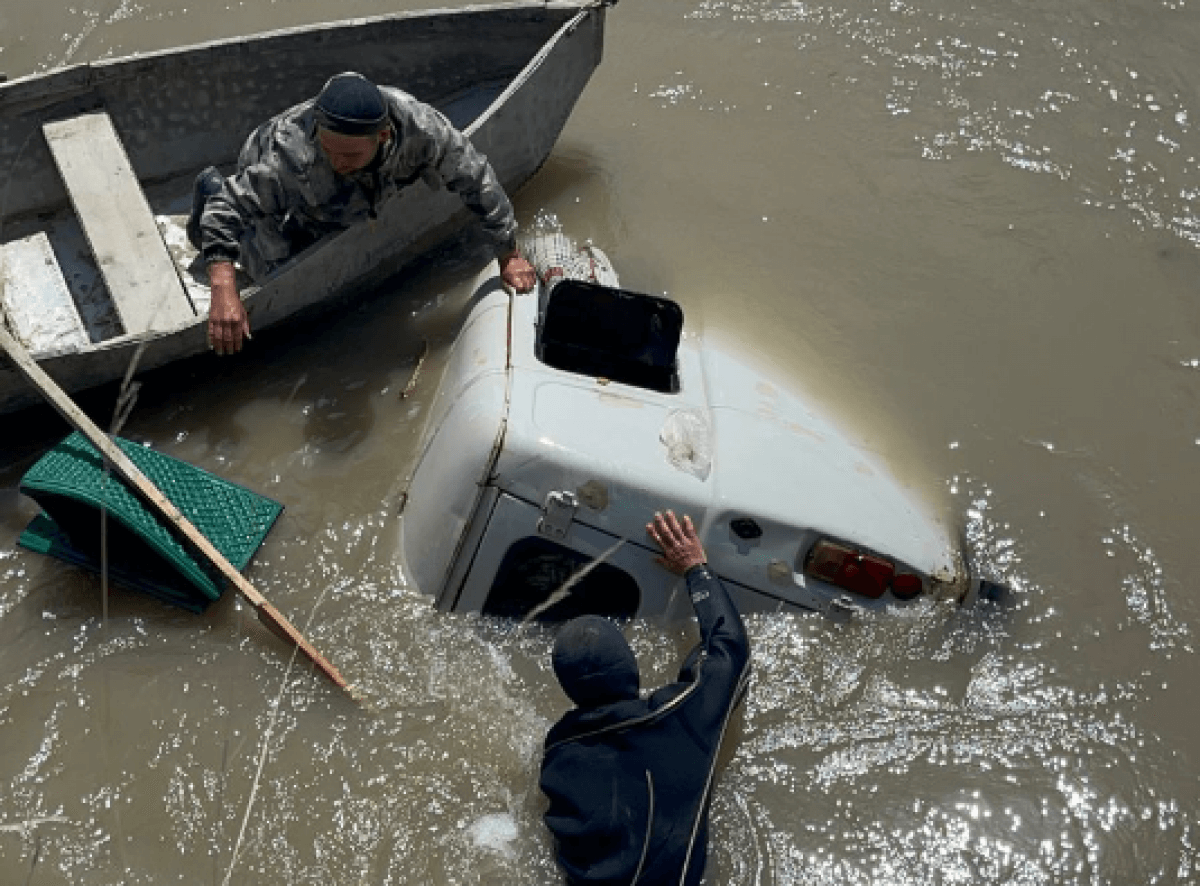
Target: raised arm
{"x": 723, "y": 636}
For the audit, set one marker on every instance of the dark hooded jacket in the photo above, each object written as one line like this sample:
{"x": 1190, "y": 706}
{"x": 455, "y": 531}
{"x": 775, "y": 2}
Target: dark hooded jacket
{"x": 629, "y": 780}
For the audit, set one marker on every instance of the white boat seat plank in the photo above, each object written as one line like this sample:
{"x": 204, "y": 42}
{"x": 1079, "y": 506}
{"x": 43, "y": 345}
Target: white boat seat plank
{"x": 141, "y": 277}
{"x": 36, "y": 301}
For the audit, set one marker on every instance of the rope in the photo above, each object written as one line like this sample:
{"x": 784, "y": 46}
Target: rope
{"x": 568, "y": 586}
{"x": 262, "y": 756}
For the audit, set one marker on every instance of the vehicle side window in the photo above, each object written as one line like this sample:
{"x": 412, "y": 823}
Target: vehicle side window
{"x": 612, "y": 333}
{"x": 535, "y": 568}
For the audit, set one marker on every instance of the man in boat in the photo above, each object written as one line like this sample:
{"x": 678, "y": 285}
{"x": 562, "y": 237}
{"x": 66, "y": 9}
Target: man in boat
{"x": 629, "y": 779}
{"x": 322, "y": 166}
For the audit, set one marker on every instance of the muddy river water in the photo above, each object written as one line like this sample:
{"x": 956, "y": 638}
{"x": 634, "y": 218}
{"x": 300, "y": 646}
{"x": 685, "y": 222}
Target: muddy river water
{"x": 967, "y": 230}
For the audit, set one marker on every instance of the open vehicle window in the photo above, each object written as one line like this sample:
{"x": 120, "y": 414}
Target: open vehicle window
{"x": 612, "y": 333}
{"x": 535, "y": 568}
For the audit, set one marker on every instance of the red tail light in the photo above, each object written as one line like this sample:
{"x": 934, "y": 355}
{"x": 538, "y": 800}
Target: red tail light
{"x": 860, "y": 573}
{"x": 907, "y": 586}
{"x": 847, "y": 568}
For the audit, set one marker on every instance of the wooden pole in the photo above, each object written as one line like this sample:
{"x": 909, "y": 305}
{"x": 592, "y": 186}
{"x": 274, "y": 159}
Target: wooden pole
{"x": 132, "y": 474}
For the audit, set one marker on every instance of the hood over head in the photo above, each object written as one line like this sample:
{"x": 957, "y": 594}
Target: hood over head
{"x": 593, "y": 662}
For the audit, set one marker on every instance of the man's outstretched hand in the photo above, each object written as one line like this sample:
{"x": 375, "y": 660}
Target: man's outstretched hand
{"x": 517, "y": 273}
{"x": 227, "y": 320}
{"x": 680, "y": 546}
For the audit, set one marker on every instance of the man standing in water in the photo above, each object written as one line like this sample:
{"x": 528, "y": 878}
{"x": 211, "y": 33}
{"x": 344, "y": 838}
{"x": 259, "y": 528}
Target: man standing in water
{"x": 322, "y": 166}
{"x": 629, "y": 779}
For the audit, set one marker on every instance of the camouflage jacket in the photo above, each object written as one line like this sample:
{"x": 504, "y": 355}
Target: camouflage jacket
{"x": 285, "y": 195}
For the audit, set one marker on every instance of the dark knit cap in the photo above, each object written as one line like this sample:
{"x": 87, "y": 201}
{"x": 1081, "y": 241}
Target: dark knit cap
{"x": 350, "y": 104}
{"x": 594, "y": 663}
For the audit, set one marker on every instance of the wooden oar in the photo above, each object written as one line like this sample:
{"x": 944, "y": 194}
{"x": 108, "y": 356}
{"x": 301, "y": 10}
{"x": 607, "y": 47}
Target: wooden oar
{"x": 132, "y": 474}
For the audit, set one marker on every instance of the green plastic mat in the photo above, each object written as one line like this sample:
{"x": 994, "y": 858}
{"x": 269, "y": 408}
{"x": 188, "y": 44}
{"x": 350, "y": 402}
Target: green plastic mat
{"x": 71, "y": 486}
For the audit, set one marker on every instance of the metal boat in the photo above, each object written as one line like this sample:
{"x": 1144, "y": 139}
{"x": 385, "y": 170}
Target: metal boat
{"x": 97, "y": 162}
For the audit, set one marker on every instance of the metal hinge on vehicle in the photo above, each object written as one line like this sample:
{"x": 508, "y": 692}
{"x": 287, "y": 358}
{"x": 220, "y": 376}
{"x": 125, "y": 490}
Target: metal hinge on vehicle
{"x": 557, "y": 514}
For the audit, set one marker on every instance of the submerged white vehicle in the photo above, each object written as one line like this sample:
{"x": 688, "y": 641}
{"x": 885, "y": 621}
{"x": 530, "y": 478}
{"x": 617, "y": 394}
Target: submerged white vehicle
{"x": 567, "y": 417}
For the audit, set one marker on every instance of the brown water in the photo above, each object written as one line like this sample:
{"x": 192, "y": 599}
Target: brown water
{"x": 969, "y": 231}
